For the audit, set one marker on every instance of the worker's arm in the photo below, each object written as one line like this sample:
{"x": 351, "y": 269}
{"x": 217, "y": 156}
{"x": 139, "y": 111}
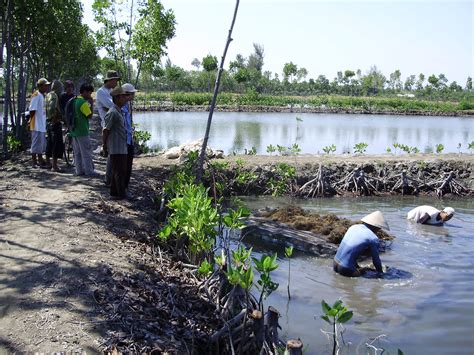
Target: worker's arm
{"x": 424, "y": 218}
{"x": 374, "y": 249}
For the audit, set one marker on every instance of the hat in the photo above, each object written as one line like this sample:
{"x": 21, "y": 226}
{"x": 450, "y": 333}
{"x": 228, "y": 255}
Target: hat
{"x": 376, "y": 219}
{"x": 111, "y": 74}
{"x": 42, "y": 81}
{"x": 129, "y": 88}
{"x": 449, "y": 211}
{"x": 117, "y": 91}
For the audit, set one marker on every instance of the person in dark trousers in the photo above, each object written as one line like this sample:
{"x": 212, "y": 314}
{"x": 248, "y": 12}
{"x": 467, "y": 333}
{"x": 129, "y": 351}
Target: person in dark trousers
{"x": 66, "y": 95}
{"x": 127, "y": 114}
{"x": 356, "y": 241}
{"x": 114, "y": 143}
{"x": 54, "y": 127}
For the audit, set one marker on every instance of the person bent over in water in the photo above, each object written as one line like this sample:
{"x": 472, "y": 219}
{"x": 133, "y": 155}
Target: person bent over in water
{"x": 430, "y": 215}
{"x": 356, "y": 241}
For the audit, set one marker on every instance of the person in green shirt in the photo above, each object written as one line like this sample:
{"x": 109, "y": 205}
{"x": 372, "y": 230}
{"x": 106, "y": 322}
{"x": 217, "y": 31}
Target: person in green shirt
{"x": 81, "y": 143}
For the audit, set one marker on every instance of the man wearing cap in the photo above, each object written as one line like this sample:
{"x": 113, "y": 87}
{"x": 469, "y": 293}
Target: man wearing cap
{"x": 430, "y": 215}
{"x": 114, "y": 142}
{"x": 127, "y": 114}
{"x": 356, "y": 241}
{"x": 103, "y": 98}
{"x": 38, "y": 123}
{"x": 81, "y": 143}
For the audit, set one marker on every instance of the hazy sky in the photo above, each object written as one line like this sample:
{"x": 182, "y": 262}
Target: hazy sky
{"x": 328, "y": 36}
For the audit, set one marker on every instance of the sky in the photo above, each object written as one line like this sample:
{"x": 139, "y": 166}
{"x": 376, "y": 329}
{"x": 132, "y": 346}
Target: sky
{"x": 325, "y": 37}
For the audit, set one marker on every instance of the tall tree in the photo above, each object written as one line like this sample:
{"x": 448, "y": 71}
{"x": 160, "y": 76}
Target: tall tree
{"x": 289, "y": 71}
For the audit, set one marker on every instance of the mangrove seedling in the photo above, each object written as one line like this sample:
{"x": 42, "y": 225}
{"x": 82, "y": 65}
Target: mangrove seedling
{"x": 281, "y": 149}
{"x": 265, "y": 266}
{"x": 439, "y": 148}
{"x": 329, "y": 149}
{"x": 271, "y": 149}
{"x": 359, "y": 148}
{"x": 205, "y": 269}
{"x": 295, "y": 149}
{"x": 388, "y": 150}
{"x": 471, "y": 146}
{"x": 337, "y": 314}
{"x": 288, "y": 254}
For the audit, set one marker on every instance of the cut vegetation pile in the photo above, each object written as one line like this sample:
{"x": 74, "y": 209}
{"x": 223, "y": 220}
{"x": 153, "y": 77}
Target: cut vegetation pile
{"x": 329, "y": 226}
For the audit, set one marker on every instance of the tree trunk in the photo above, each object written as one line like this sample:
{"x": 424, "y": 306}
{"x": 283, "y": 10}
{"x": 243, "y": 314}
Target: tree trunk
{"x": 8, "y": 71}
{"x": 214, "y": 98}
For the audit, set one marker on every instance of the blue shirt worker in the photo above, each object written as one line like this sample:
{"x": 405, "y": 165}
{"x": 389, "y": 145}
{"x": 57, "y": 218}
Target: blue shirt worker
{"x": 356, "y": 241}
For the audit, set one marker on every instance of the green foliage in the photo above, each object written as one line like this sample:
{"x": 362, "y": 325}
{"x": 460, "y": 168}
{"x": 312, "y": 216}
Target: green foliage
{"x": 288, "y": 254}
{"x": 337, "y": 314}
{"x": 265, "y": 266}
{"x": 205, "y": 269}
{"x": 470, "y": 145}
{"x": 329, "y": 149}
{"x": 13, "y": 144}
{"x": 288, "y": 251}
{"x": 359, "y": 148}
{"x": 439, "y": 148}
{"x": 295, "y": 149}
{"x": 278, "y": 184}
{"x": 140, "y": 138}
{"x": 271, "y": 149}
{"x": 193, "y": 218}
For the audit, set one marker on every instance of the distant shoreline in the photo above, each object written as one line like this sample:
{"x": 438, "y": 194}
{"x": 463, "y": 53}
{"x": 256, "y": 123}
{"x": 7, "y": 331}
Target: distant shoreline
{"x": 295, "y": 109}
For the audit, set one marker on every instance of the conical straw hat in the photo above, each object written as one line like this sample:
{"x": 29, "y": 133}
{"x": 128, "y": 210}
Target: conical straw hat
{"x": 376, "y": 219}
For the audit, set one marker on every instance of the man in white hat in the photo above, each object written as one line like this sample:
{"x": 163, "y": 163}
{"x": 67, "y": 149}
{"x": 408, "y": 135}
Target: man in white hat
{"x": 127, "y": 114}
{"x": 38, "y": 123}
{"x": 359, "y": 238}
{"x": 430, "y": 215}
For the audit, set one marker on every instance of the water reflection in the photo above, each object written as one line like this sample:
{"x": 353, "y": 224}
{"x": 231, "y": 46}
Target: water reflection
{"x": 312, "y": 132}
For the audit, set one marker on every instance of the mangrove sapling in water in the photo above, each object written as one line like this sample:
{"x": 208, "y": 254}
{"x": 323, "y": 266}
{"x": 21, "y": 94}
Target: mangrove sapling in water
{"x": 337, "y": 314}
{"x": 265, "y": 266}
{"x": 288, "y": 254}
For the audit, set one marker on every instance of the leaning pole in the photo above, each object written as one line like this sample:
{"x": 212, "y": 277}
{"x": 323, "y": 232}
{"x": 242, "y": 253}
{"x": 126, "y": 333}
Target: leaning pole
{"x": 202, "y": 156}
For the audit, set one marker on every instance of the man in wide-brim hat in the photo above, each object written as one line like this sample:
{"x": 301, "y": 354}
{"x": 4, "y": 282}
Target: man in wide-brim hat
{"x": 357, "y": 240}
{"x": 103, "y": 98}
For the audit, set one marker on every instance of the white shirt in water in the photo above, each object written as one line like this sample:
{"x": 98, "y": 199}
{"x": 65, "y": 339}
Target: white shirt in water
{"x": 417, "y": 214}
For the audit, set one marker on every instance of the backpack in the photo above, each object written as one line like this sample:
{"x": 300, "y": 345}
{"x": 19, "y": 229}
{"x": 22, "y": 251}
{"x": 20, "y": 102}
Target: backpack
{"x": 70, "y": 113}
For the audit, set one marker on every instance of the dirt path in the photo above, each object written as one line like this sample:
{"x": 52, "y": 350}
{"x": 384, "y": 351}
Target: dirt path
{"x": 58, "y": 243}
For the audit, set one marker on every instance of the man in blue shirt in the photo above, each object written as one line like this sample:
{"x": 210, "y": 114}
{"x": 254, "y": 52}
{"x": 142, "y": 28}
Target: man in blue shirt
{"x": 359, "y": 238}
{"x": 127, "y": 114}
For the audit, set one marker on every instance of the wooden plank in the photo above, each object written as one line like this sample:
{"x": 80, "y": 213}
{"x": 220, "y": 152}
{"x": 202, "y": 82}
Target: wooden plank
{"x": 262, "y": 229}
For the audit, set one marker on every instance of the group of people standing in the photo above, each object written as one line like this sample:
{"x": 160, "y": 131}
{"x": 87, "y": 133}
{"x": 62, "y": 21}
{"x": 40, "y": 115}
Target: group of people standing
{"x": 361, "y": 238}
{"x": 50, "y": 107}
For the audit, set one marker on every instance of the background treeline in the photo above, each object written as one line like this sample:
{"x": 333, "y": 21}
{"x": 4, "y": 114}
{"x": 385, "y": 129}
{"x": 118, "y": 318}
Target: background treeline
{"x": 47, "y": 38}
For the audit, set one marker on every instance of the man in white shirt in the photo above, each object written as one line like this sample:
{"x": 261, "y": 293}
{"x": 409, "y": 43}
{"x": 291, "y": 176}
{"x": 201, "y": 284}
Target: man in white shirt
{"x": 430, "y": 215}
{"x": 103, "y": 98}
{"x": 38, "y": 123}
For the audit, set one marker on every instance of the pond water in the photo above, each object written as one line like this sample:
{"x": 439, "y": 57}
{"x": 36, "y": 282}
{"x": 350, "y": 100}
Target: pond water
{"x": 426, "y": 306}
{"x": 234, "y": 132}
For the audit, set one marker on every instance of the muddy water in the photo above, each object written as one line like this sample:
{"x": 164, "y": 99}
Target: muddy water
{"x": 424, "y": 306}
{"x": 235, "y": 132}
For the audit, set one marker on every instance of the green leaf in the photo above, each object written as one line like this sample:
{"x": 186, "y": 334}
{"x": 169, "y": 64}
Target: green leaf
{"x": 326, "y": 308}
{"x": 345, "y": 317}
{"x": 399, "y": 352}
{"x": 337, "y": 304}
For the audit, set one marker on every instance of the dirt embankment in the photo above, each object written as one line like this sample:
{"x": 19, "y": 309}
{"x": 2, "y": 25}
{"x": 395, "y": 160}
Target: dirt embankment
{"x": 328, "y": 175}
{"x": 82, "y": 273}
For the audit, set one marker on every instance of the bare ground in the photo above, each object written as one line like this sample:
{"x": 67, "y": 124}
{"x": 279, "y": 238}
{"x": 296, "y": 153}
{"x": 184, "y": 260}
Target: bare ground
{"x": 79, "y": 272}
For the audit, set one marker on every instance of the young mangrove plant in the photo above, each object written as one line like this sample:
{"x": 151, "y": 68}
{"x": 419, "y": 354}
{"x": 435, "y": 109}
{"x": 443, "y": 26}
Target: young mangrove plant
{"x": 265, "y": 266}
{"x": 335, "y": 315}
{"x": 359, "y": 148}
{"x": 280, "y": 182}
{"x": 271, "y": 149}
{"x": 288, "y": 254}
{"x": 470, "y": 146}
{"x": 329, "y": 149}
{"x": 439, "y": 148}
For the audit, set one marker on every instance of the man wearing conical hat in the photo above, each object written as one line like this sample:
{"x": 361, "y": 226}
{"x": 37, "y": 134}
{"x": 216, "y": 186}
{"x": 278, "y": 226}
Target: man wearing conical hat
{"x": 430, "y": 215}
{"x": 356, "y": 241}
